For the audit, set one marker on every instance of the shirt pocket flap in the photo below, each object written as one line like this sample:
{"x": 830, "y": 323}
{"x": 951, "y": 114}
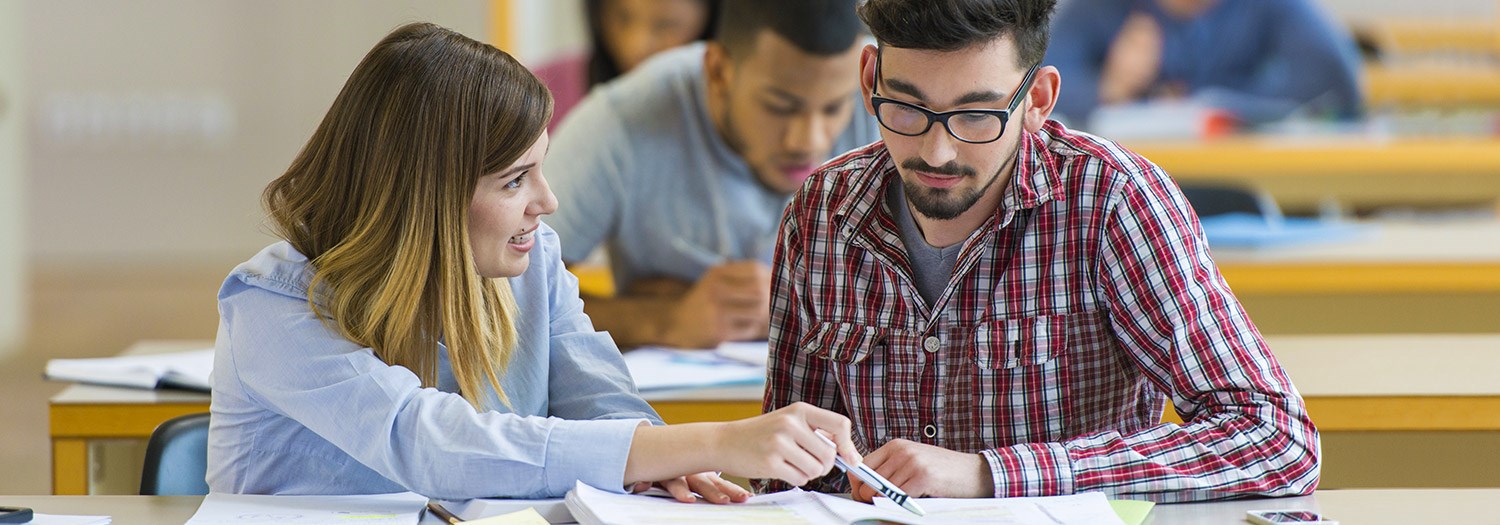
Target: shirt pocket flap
{"x": 847, "y": 343}
{"x": 1022, "y": 341}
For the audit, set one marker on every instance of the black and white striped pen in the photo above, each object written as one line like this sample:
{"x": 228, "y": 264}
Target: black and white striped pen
{"x": 874, "y": 480}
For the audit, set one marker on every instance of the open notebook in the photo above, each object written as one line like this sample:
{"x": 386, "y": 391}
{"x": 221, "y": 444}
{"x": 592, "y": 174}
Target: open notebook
{"x": 591, "y": 506}
{"x": 187, "y": 370}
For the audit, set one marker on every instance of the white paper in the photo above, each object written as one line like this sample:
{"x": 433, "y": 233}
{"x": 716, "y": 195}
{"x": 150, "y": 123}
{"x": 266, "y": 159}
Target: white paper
{"x": 1086, "y": 508}
{"x": 404, "y": 508}
{"x": 662, "y": 368}
{"x": 591, "y": 506}
{"x": 189, "y": 369}
{"x": 552, "y": 510}
{"x": 749, "y": 352}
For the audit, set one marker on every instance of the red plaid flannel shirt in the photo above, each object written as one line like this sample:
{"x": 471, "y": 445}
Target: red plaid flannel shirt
{"x": 1087, "y": 296}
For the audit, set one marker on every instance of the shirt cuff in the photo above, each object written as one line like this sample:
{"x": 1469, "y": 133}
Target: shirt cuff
{"x": 1030, "y": 469}
{"x": 593, "y": 452}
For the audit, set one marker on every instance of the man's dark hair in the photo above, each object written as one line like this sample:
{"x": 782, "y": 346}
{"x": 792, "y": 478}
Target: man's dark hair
{"x": 951, "y": 25}
{"x": 817, "y": 27}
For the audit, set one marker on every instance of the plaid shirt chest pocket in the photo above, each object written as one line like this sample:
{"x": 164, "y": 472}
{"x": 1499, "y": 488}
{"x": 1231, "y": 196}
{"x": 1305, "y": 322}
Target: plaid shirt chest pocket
{"x": 1018, "y": 380}
{"x": 878, "y": 374}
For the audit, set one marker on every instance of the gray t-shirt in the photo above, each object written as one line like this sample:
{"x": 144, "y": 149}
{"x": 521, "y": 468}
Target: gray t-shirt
{"x": 931, "y": 267}
{"x": 639, "y": 166}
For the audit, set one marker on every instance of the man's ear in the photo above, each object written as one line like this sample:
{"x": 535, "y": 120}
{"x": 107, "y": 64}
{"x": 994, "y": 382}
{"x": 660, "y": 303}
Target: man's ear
{"x": 867, "y": 59}
{"x": 1043, "y": 98}
{"x": 718, "y": 69}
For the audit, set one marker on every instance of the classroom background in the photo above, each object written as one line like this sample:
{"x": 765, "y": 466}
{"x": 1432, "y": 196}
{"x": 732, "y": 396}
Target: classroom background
{"x": 135, "y": 138}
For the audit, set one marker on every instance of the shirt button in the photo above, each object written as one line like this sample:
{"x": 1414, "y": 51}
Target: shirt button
{"x": 930, "y": 431}
{"x": 932, "y": 343}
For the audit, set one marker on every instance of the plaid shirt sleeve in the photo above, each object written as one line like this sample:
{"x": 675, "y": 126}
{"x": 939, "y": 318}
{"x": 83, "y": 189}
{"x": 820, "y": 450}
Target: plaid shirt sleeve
{"x": 1246, "y": 431}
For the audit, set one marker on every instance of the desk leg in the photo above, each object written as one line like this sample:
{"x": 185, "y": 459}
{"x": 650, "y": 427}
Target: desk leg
{"x": 70, "y": 467}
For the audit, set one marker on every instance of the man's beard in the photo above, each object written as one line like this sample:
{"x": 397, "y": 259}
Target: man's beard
{"x": 943, "y": 204}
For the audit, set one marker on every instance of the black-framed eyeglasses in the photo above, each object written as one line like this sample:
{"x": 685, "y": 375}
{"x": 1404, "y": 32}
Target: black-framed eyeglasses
{"x": 974, "y": 126}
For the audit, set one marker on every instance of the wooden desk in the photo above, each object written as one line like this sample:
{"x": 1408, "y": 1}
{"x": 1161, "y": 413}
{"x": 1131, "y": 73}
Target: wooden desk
{"x": 1477, "y": 35}
{"x": 1399, "y": 506}
{"x": 81, "y": 413}
{"x": 1351, "y": 383}
{"x": 1432, "y": 85}
{"x": 1402, "y": 277}
{"x": 1354, "y": 383}
{"x": 1358, "y": 171}
{"x": 1395, "y": 382}
{"x": 1393, "y": 256}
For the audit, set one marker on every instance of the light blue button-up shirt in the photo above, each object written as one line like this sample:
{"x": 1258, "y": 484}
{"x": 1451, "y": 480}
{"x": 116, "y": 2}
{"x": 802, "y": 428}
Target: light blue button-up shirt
{"x": 299, "y": 409}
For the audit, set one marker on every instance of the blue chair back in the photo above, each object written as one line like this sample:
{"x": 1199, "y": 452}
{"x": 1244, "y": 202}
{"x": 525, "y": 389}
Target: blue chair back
{"x": 1209, "y": 199}
{"x": 177, "y": 458}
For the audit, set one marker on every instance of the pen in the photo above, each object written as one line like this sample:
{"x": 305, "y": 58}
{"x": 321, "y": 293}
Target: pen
{"x": 874, "y": 480}
{"x": 443, "y": 513}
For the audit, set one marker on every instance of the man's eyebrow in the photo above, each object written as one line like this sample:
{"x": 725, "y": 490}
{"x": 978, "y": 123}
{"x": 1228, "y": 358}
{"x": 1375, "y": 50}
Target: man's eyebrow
{"x": 979, "y": 96}
{"x": 784, "y": 95}
{"x": 972, "y": 97}
{"x": 901, "y": 86}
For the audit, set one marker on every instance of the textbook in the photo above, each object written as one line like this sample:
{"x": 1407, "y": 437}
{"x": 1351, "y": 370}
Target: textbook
{"x": 401, "y": 508}
{"x": 591, "y": 506}
{"x": 185, "y": 370}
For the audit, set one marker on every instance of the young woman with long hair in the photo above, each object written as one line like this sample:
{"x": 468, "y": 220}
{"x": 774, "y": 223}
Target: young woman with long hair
{"x": 416, "y": 329}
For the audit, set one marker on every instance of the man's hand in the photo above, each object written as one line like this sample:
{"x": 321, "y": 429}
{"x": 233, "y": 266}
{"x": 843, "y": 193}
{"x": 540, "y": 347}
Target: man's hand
{"x": 1133, "y": 62}
{"x": 732, "y": 302}
{"x": 925, "y": 471}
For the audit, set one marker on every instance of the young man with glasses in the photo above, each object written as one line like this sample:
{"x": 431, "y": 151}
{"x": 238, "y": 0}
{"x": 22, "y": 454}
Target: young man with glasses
{"x": 1002, "y": 305}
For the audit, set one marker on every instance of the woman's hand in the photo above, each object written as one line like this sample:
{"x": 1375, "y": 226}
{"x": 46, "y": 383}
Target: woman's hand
{"x": 783, "y": 445}
{"x": 709, "y": 485}
{"x": 780, "y": 445}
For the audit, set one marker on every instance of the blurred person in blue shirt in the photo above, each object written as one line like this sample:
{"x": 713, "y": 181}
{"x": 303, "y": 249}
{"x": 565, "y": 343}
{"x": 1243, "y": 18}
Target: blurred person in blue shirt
{"x": 1259, "y": 60}
{"x": 416, "y": 330}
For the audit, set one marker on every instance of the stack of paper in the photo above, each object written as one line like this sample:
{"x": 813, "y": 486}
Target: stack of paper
{"x": 591, "y": 506}
{"x": 402, "y": 508}
{"x": 189, "y": 370}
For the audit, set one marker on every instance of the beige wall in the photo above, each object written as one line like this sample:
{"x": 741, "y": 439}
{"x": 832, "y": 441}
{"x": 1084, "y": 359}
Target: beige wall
{"x": 12, "y": 244}
{"x": 1382, "y": 10}
{"x": 155, "y": 123}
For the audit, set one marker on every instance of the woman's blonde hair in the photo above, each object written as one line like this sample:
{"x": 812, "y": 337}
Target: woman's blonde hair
{"x": 378, "y": 201}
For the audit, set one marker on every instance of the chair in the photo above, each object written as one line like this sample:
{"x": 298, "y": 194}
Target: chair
{"x": 1209, "y": 199}
{"x": 177, "y": 458}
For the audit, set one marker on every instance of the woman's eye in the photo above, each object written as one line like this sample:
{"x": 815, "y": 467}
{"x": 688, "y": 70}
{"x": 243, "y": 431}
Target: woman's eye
{"x": 516, "y": 182}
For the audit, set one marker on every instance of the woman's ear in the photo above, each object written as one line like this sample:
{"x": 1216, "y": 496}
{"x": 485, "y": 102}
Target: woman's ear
{"x": 1043, "y": 98}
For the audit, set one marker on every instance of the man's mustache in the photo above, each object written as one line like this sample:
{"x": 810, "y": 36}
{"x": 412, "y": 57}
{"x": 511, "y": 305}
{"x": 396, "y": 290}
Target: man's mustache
{"x": 951, "y": 168}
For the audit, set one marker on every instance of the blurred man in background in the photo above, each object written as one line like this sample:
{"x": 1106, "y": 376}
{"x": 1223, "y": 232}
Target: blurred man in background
{"x": 1258, "y": 60}
{"x": 682, "y": 168}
